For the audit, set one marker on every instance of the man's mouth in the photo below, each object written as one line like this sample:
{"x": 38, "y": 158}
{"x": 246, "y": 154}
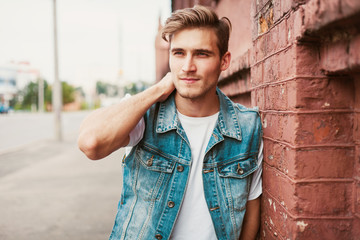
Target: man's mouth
{"x": 189, "y": 79}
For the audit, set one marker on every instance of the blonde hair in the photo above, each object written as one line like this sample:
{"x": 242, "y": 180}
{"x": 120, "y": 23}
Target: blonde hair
{"x": 199, "y": 16}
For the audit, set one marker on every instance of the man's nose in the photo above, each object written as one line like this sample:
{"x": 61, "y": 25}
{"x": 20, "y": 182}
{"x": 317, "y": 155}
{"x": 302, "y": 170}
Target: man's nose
{"x": 189, "y": 65}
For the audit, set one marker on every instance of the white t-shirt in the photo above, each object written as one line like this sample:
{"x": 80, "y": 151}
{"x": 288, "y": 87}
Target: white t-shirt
{"x": 194, "y": 220}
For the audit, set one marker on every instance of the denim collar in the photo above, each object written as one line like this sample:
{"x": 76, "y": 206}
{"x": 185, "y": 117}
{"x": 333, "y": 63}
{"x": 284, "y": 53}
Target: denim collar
{"x": 227, "y": 123}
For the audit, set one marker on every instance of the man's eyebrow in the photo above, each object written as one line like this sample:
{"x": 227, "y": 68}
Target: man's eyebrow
{"x": 176, "y": 49}
{"x": 204, "y": 51}
{"x": 199, "y": 50}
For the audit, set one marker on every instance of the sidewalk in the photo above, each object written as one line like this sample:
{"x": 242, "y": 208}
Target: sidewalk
{"x": 49, "y": 190}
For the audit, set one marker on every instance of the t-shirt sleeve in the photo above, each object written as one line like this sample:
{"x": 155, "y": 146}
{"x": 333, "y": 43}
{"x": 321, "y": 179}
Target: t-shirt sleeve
{"x": 256, "y": 182}
{"x": 137, "y": 133}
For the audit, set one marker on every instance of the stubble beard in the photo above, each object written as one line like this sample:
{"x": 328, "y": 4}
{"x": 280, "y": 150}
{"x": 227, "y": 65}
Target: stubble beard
{"x": 194, "y": 93}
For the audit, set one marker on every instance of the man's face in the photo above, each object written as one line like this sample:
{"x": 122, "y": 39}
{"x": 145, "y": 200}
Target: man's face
{"x": 195, "y": 62}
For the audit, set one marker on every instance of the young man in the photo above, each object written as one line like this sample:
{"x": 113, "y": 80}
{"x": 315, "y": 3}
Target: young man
{"x": 194, "y": 170}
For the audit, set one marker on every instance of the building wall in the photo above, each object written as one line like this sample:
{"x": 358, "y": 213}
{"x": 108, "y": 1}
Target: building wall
{"x": 301, "y": 67}
{"x": 305, "y": 57}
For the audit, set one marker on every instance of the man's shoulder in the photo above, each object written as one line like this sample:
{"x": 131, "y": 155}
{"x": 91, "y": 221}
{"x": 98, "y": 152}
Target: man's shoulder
{"x": 243, "y": 109}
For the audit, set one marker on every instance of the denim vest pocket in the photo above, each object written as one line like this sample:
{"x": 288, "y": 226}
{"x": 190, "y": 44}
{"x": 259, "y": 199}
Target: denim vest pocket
{"x": 235, "y": 180}
{"x": 154, "y": 171}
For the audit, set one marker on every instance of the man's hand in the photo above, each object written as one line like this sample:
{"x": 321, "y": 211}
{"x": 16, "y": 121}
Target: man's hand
{"x": 166, "y": 85}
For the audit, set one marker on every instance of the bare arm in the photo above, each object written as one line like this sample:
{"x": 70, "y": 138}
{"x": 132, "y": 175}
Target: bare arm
{"x": 251, "y": 222}
{"x": 107, "y": 129}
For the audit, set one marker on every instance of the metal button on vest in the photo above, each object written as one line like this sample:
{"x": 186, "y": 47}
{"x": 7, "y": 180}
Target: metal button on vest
{"x": 239, "y": 170}
{"x": 180, "y": 168}
{"x": 158, "y": 236}
{"x": 149, "y": 162}
{"x": 171, "y": 204}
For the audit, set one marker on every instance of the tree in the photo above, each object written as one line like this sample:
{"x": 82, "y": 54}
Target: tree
{"x": 106, "y": 89}
{"x": 29, "y": 95}
{"x": 68, "y": 93}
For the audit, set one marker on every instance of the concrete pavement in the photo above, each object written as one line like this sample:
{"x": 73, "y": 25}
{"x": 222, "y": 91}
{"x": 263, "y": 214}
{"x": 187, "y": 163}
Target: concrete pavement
{"x": 49, "y": 190}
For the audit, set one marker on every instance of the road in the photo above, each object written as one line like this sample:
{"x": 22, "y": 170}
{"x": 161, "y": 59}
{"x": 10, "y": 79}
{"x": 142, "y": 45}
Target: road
{"x": 48, "y": 189}
{"x": 19, "y": 129}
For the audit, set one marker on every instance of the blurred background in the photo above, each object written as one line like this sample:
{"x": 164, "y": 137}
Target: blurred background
{"x": 103, "y": 50}
{"x": 103, "y": 47}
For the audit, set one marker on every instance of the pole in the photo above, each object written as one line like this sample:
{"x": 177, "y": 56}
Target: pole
{"x": 57, "y": 92}
{"x": 41, "y": 95}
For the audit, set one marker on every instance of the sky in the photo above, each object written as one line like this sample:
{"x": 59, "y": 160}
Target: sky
{"x": 97, "y": 39}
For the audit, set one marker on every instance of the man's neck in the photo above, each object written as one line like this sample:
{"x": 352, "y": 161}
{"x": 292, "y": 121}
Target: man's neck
{"x": 200, "y": 107}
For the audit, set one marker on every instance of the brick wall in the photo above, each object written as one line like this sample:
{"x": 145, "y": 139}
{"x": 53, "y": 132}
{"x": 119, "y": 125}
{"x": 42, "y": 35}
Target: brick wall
{"x": 302, "y": 72}
{"x": 303, "y": 59}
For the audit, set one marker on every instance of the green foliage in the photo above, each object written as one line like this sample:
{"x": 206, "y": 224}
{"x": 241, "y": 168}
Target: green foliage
{"x": 29, "y": 95}
{"x": 68, "y": 93}
{"x": 106, "y": 89}
{"x": 134, "y": 88}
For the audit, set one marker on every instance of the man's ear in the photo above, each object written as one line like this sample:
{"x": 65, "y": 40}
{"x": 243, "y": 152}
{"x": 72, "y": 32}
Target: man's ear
{"x": 225, "y": 61}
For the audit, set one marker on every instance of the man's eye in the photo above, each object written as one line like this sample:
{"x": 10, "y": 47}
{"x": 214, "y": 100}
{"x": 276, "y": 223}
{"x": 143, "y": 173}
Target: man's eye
{"x": 202, "y": 54}
{"x": 178, "y": 53}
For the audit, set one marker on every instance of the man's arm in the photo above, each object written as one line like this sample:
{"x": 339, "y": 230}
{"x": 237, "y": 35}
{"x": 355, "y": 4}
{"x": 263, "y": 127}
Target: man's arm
{"x": 251, "y": 221}
{"x": 106, "y": 130}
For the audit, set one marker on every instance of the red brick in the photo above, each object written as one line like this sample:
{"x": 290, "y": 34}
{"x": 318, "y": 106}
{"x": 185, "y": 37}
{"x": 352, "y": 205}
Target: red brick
{"x": 275, "y": 219}
{"x": 279, "y": 186}
{"x": 294, "y": 25}
{"x": 357, "y": 198}
{"x": 335, "y": 128}
{"x": 320, "y": 163}
{"x": 307, "y": 60}
{"x": 271, "y": 69}
{"x": 357, "y": 163}
{"x": 357, "y": 127}
{"x": 310, "y": 199}
{"x": 334, "y": 57}
{"x": 267, "y": 233}
{"x": 277, "y": 10}
{"x": 256, "y": 75}
{"x": 320, "y": 13}
{"x": 243, "y": 99}
{"x": 252, "y": 57}
{"x": 356, "y": 228}
{"x": 276, "y": 97}
{"x": 280, "y": 225}
{"x": 258, "y": 98}
{"x": 349, "y": 7}
{"x": 354, "y": 52}
{"x": 281, "y": 126}
{"x": 357, "y": 91}
{"x": 260, "y": 48}
{"x": 312, "y": 163}
{"x": 280, "y": 157}
{"x": 287, "y": 63}
{"x": 283, "y": 33}
{"x": 321, "y": 93}
{"x": 272, "y": 40}
{"x": 286, "y": 6}
{"x": 323, "y": 229}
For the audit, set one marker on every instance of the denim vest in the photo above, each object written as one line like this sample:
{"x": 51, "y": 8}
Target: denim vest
{"x": 156, "y": 172}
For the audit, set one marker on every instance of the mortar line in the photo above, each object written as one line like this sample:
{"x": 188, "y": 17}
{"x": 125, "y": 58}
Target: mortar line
{"x": 311, "y": 180}
{"x": 298, "y": 147}
{"x": 296, "y": 77}
{"x": 307, "y": 111}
